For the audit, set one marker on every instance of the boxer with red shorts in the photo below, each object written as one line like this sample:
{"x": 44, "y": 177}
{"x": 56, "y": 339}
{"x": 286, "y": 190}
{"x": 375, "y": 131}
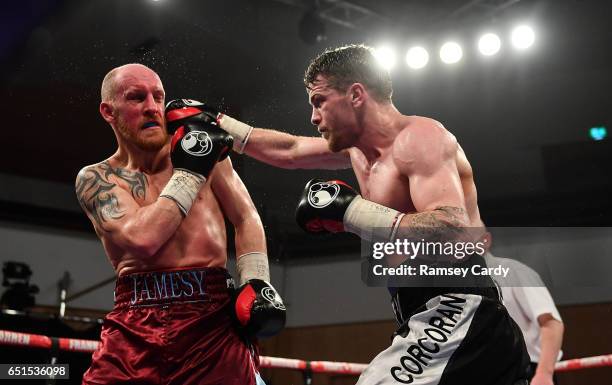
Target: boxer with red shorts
{"x": 158, "y": 206}
{"x": 172, "y": 327}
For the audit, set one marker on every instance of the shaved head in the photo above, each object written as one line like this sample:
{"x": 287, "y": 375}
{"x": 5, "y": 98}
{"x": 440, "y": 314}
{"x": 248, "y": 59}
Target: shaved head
{"x": 133, "y": 97}
{"x": 109, "y": 84}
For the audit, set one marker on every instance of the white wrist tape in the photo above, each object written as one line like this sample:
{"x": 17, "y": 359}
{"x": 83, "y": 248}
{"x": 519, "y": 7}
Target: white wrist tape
{"x": 183, "y": 189}
{"x": 371, "y": 221}
{"x": 252, "y": 266}
{"x": 240, "y": 131}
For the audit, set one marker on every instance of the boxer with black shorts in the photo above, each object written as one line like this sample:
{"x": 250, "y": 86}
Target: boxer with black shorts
{"x": 158, "y": 205}
{"x": 412, "y": 174}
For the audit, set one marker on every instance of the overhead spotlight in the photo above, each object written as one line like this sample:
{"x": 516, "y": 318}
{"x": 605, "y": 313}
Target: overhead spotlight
{"x": 523, "y": 37}
{"x": 417, "y": 57}
{"x": 451, "y": 52}
{"x": 489, "y": 44}
{"x": 386, "y": 56}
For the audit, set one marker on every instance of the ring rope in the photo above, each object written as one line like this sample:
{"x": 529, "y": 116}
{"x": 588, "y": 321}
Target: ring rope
{"x": 8, "y": 337}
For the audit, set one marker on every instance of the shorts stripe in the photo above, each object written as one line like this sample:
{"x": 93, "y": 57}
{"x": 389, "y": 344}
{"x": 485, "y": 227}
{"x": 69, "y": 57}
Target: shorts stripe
{"x": 423, "y": 354}
{"x": 453, "y": 339}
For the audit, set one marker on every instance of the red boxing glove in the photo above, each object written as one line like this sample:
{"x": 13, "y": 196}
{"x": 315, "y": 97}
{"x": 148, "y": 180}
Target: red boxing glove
{"x": 197, "y": 142}
{"x": 259, "y": 309}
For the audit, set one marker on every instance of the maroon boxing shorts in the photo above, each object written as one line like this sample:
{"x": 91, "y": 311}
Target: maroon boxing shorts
{"x": 172, "y": 327}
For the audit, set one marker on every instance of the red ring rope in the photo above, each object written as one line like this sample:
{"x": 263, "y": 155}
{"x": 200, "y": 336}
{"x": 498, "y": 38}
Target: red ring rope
{"x": 8, "y": 337}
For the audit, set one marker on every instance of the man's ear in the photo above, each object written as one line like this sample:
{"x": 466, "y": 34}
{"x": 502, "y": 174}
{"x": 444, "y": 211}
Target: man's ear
{"x": 106, "y": 110}
{"x": 358, "y": 93}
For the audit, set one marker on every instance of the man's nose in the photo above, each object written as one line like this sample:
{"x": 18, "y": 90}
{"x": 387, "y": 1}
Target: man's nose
{"x": 151, "y": 106}
{"x": 315, "y": 118}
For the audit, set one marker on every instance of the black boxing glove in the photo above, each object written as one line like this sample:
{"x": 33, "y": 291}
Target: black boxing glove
{"x": 259, "y": 309}
{"x": 191, "y": 107}
{"x": 334, "y": 206}
{"x": 238, "y": 130}
{"x": 323, "y": 205}
{"x": 197, "y": 142}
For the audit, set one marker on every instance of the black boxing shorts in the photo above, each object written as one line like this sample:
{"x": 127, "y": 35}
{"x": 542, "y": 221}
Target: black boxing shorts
{"x": 454, "y": 338}
{"x": 173, "y": 327}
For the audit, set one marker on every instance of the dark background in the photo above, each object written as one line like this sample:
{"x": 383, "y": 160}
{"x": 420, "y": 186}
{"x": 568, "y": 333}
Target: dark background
{"x": 522, "y": 117}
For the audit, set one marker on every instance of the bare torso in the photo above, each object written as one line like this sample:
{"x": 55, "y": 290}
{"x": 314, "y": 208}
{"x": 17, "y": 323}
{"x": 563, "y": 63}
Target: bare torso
{"x": 199, "y": 241}
{"x": 382, "y": 182}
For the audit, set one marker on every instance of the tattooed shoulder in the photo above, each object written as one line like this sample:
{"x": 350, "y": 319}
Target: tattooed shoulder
{"x": 95, "y": 190}
{"x": 96, "y": 196}
{"x": 137, "y": 181}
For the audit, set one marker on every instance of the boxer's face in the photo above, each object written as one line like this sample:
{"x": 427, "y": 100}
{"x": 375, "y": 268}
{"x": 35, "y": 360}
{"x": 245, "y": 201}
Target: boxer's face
{"x": 138, "y": 108}
{"x": 333, "y": 114}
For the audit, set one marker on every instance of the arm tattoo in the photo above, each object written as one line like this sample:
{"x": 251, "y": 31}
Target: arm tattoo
{"x": 442, "y": 224}
{"x": 455, "y": 216}
{"x": 94, "y": 191}
{"x": 95, "y": 195}
{"x": 135, "y": 179}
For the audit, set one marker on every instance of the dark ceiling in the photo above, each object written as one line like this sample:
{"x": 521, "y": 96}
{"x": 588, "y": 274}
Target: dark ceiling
{"x": 510, "y": 112}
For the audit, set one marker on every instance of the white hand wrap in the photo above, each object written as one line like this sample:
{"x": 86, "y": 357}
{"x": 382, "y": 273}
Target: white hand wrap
{"x": 371, "y": 221}
{"x": 240, "y": 131}
{"x": 252, "y": 266}
{"x": 183, "y": 189}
